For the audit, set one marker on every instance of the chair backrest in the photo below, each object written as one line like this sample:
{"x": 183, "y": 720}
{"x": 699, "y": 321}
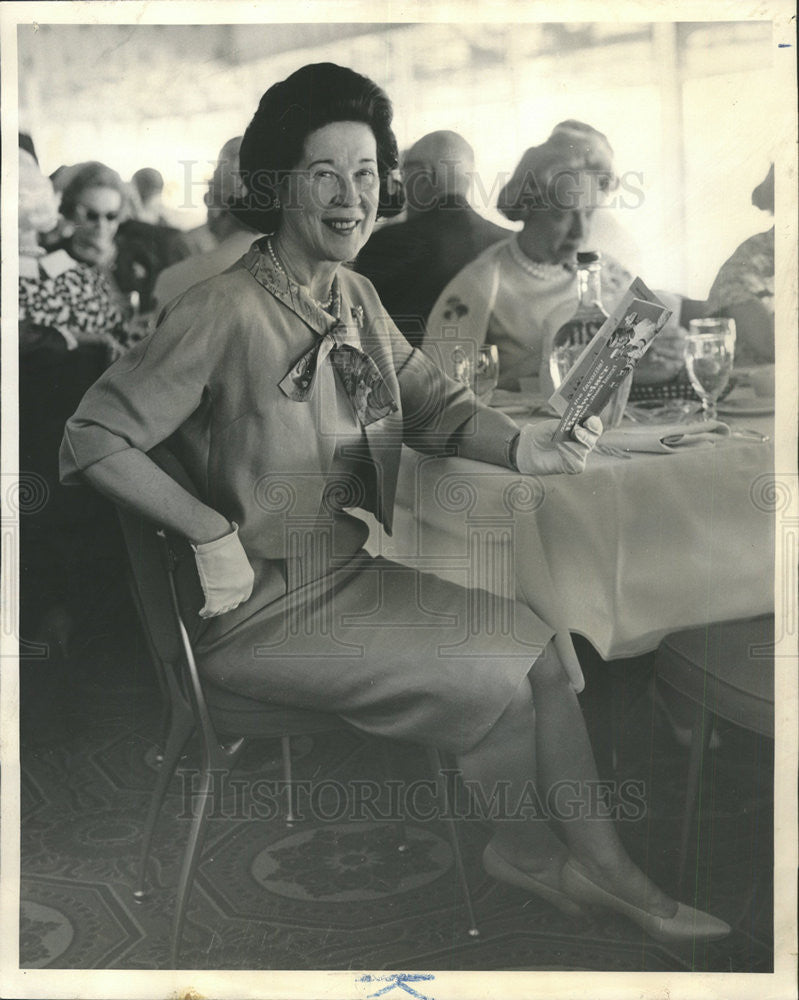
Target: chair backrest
{"x": 167, "y": 594}
{"x": 149, "y": 559}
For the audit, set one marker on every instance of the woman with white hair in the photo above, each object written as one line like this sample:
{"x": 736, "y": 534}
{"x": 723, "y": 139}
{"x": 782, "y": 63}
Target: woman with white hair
{"x": 518, "y": 292}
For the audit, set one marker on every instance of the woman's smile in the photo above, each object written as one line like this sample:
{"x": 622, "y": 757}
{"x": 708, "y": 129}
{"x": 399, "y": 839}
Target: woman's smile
{"x": 343, "y": 227}
{"x": 329, "y": 201}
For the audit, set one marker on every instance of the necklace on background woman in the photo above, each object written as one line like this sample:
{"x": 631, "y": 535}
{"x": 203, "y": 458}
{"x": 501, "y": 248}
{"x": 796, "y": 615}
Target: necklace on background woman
{"x": 325, "y": 304}
{"x": 537, "y": 269}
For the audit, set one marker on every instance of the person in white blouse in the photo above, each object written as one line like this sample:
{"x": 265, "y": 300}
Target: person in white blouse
{"x": 519, "y": 292}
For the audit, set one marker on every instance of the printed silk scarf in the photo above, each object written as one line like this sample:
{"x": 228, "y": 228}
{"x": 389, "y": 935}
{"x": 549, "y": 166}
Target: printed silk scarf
{"x": 371, "y": 398}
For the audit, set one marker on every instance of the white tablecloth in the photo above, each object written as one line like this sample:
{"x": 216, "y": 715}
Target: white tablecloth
{"x": 625, "y": 553}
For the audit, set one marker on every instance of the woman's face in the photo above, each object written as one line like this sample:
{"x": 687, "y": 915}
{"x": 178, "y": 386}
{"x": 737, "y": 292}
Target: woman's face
{"x": 330, "y": 199}
{"x": 558, "y": 228}
{"x": 96, "y": 220}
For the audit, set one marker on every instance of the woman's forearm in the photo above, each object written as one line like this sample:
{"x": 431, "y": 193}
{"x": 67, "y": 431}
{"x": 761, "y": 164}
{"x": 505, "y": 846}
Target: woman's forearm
{"x": 133, "y": 480}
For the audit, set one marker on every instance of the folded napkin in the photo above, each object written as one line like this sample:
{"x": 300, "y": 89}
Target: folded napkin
{"x": 666, "y": 437}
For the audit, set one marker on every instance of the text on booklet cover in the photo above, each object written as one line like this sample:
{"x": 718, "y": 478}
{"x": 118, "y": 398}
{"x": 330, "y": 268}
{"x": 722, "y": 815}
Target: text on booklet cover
{"x": 611, "y": 355}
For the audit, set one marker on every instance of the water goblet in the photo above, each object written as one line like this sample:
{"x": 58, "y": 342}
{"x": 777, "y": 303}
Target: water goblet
{"x": 462, "y": 366}
{"x": 486, "y": 372}
{"x": 709, "y": 353}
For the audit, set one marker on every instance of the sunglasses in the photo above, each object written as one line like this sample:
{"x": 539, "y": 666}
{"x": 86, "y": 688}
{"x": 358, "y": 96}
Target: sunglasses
{"x": 90, "y": 215}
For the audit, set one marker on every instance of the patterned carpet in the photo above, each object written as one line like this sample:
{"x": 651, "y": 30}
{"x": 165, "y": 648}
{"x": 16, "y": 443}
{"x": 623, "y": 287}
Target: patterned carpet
{"x": 334, "y": 892}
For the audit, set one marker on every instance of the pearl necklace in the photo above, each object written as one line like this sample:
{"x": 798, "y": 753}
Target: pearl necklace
{"x": 328, "y": 302}
{"x": 536, "y": 269}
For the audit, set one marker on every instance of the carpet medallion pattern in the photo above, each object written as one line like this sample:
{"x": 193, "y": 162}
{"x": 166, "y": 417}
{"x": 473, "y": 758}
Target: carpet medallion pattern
{"x": 335, "y": 891}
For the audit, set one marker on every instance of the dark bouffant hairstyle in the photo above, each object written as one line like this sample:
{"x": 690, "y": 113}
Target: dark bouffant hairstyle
{"x": 309, "y": 99}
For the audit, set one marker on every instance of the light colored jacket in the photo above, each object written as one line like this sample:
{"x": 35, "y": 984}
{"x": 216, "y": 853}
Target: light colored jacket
{"x": 207, "y": 382}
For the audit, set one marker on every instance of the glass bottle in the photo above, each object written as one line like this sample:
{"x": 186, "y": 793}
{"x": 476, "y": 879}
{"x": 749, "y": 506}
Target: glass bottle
{"x": 575, "y": 333}
{"x": 571, "y": 338}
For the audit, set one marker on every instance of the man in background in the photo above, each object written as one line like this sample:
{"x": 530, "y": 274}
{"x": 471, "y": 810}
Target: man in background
{"x": 233, "y": 237}
{"x": 147, "y": 189}
{"x": 202, "y": 238}
{"x": 411, "y": 262}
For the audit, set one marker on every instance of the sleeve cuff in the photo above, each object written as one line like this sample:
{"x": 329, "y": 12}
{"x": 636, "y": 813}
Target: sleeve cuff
{"x": 82, "y": 447}
{"x": 488, "y": 436}
{"x": 204, "y": 547}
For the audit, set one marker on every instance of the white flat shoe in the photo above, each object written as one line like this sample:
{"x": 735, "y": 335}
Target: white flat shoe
{"x": 687, "y": 924}
{"x": 503, "y": 871}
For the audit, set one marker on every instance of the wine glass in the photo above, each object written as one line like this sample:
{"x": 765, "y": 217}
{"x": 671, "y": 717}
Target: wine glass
{"x": 462, "y": 367}
{"x": 709, "y": 353}
{"x": 486, "y": 372}
{"x": 477, "y": 369}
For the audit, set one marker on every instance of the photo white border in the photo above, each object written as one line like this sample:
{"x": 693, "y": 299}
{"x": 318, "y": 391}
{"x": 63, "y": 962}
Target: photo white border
{"x": 283, "y": 985}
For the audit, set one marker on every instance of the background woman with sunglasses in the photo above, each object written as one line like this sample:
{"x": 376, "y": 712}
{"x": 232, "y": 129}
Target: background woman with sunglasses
{"x": 132, "y": 253}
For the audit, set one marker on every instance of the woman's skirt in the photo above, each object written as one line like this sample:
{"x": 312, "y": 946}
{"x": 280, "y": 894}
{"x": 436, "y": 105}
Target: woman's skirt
{"x": 393, "y": 651}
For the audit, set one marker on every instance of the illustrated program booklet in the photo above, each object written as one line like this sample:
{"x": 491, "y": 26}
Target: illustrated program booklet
{"x": 611, "y": 355}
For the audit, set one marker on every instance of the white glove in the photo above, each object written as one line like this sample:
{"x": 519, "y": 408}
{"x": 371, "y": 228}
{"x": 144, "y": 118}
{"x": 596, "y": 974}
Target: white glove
{"x": 225, "y": 573}
{"x": 537, "y": 455}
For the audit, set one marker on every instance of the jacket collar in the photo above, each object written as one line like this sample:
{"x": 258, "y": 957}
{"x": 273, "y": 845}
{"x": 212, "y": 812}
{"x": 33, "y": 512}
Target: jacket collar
{"x": 292, "y": 295}
{"x": 382, "y": 434}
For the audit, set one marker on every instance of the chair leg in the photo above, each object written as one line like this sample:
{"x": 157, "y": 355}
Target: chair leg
{"x": 438, "y": 767}
{"x": 285, "y": 748}
{"x": 179, "y": 733}
{"x": 166, "y": 726}
{"x": 700, "y": 745}
{"x": 191, "y": 859}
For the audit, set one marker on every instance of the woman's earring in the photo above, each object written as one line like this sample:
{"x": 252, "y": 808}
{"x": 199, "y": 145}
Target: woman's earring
{"x": 277, "y": 201}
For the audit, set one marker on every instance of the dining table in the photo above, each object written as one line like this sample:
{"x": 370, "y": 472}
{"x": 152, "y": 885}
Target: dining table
{"x": 639, "y": 545}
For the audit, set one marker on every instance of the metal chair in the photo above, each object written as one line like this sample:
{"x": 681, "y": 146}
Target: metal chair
{"x": 726, "y": 669}
{"x": 167, "y": 594}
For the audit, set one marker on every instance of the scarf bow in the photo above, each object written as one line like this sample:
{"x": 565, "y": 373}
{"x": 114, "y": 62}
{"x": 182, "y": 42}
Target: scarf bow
{"x": 370, "y": 396}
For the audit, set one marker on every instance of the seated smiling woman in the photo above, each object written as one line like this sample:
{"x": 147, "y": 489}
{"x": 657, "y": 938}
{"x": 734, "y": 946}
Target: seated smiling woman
{"x": 287, "y": 393}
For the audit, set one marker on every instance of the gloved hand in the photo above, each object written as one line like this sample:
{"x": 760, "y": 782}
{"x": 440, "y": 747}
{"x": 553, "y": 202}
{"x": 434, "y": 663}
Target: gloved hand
{"x": 225, "y": 573}
{"x": 537, "y": 455}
